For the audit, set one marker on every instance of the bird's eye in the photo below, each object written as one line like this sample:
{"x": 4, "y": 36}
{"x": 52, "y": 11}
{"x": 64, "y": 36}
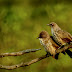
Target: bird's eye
{"x": 52, "y": 24}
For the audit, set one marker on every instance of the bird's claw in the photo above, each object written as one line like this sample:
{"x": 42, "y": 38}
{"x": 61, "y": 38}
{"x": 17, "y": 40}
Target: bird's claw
{"x": 55, "y": 51}
{"x": 48, "y": 54}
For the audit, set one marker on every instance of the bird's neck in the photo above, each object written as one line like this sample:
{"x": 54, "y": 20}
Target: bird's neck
{"x": 56, "y": 28}
{"x": 52, "y": 31}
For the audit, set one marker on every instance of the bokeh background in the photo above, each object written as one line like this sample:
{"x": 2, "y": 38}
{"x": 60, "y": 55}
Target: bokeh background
{"x": 21, "y": 21}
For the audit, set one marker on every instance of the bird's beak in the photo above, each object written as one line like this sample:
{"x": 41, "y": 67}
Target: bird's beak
{"x": 48, "y": 24}
{"x": 37, "y": 38}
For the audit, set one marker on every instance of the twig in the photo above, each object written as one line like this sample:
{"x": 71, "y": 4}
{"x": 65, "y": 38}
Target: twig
{"x": 18, "y": 53}
{"x": 23, "y": 64}
{"x": 64, "y": 47}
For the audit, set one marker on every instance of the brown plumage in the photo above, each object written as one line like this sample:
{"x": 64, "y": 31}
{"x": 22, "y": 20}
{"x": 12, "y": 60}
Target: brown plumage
{"x": 61, "y": 37}
{"x": 49, "y": 45}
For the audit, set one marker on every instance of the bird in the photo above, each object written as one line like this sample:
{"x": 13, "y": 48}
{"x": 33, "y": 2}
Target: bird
{"x": 60, "y": 36}
{"x": 49, "y": 45}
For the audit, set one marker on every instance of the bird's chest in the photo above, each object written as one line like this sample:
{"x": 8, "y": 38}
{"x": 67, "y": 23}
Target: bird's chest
{"x": 54, "y": 34}
{"x": 50, "y": 48}
{"x": 56, "y": 37}
{"x": 42, "y": 42}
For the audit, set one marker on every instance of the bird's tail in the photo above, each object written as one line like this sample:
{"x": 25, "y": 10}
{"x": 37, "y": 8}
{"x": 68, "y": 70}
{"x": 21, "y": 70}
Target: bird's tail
{"x": 69, "y": 53}
{"x": 64, "y": 53}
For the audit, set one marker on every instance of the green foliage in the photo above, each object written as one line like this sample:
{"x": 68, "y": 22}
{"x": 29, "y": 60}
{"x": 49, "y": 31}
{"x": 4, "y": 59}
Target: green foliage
{"x": 39, "y": 12}
{"x": 20, "y": 24}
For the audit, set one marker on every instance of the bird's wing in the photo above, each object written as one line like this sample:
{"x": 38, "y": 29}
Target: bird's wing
{"x": 54, "y": 44}
{"x": 65, "y": 36}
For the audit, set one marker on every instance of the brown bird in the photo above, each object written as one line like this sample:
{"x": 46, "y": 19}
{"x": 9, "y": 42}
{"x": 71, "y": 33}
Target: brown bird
{"x": 49, "y": 45}
{"x": 61, "y": 37}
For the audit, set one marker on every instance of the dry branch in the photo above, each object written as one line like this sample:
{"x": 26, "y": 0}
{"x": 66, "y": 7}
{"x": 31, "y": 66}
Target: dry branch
{"x": 23, "y": 64}
{"x": 18, "y": 53}
{"x": 62, "y": 48}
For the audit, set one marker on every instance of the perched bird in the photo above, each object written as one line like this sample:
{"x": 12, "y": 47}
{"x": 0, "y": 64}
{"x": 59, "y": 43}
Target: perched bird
{"x": 49, "y": 45}
{"x": 61, "y": 37}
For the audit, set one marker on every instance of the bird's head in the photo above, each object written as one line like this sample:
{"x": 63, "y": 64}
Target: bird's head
{"x": 43, "y": 34}
{"x": 52, "y": 24}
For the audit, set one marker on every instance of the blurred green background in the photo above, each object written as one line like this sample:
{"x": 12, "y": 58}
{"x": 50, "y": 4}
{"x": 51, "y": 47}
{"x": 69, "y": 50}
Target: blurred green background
{"x": 21, "y": 21}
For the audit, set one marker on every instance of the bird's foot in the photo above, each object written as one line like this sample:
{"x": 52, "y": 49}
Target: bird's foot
{"x": 48, "y": 54}
{"x": 56, "y": 51}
